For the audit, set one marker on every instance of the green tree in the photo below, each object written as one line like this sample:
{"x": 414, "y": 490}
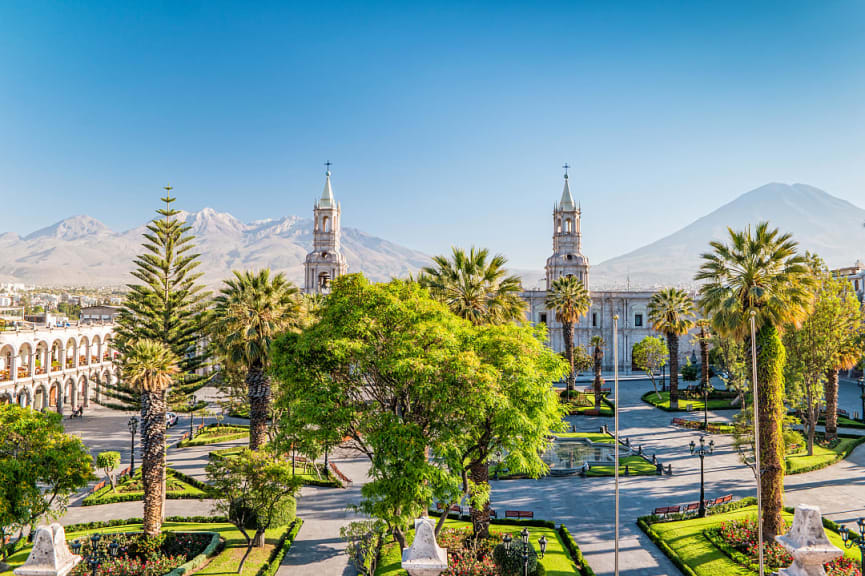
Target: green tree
{"x": 569, "y": 299}
{"x": 107, "y": 462}
{"x": 168, "y": 306}
{"x": 40, "y": 468}
{"x": 728, "y": 355}
{"x": 475, "y": 286}
{"x": 759, "y": 271}
{"x": 255, "y": 489}
{"x": 597, "y": 344}
{"x": 251, "y": 310}
{"x": 671, "y": 312}
{"x": 149, "y": 367}
{"x": 650, "y": 355}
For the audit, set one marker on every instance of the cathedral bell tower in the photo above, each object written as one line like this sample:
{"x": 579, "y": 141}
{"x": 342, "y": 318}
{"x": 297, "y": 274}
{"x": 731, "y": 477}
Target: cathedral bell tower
{"x": 567, "y": 258}
{"x": 325, "y": 262}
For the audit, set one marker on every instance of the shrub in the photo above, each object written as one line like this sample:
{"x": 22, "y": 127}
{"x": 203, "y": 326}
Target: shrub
{"x": 510, "y": 561}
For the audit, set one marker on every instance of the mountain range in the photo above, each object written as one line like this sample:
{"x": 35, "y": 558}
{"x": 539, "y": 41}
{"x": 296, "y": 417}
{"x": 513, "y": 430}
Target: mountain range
{"x": 81, "y": 251}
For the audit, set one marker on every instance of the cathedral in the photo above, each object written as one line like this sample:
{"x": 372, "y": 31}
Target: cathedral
{"x": 326, "y": 262}
{"x": 631, "y": 306}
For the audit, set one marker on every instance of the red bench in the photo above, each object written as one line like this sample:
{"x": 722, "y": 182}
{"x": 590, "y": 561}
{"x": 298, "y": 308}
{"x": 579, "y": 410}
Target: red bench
{"x": 519, "y": 514}
{"x": 666, "y": 510}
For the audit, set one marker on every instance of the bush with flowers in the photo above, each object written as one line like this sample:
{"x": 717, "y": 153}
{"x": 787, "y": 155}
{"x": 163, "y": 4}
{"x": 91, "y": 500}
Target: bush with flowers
{"x": 139, "y": 555}
{"x": 470, "y": 557}
{"x": 738, "y": 539}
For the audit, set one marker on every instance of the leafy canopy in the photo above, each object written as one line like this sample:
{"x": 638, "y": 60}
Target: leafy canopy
{"x": 671, "y": 311}
{"x": 569, "y": 299}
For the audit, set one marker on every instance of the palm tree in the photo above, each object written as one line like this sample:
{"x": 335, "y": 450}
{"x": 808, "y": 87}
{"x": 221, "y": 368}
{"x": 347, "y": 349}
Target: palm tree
{"x": 597, "y": 355}
{"x": 569, "y": 299}
{"x": 848, "y": 355}
{"x": 671, "y": 312}
{"x": 704, "y": 338}
{"x": 149, "y": 367}
{"x": 475, "y": 286}
{"x": 251, "y": 310}
{"x": 760, "y": 271}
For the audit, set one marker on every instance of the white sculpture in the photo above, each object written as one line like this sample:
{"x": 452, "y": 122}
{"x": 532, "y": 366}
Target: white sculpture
{"x": 424, "y": 557}
{"x": 50, "y": 555}
{"x": 808, "y": 543}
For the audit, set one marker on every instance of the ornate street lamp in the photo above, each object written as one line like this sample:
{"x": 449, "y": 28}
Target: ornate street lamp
{"x": 542, "y": 542}
{"x": 850, "y": 541}
{"x": 702, "y": 451}
{"x": 506, "y": 540}
{"x": 132, "y": 424}
{"x": 525, "y": 537}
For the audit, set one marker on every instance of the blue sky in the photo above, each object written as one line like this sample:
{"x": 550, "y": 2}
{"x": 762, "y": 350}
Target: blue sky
{"x": 446, "y": 123}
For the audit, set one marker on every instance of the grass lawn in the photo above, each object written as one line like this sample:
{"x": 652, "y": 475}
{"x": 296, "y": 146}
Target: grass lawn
{"x": 685, "y": 540}
{"x": 222, "y": 564}
{"x": 591, "y": 436}
{"x": 664, "y": 402}
{"x": 823, "y": 457}
{"x": 556, "y": 561}
{"x": 215, "y": 435}
{"x": 588, "y": 398}
{"x": 131, "y": 490}
{"x": 637, "y": 466}
{"x": 302, "y": 471}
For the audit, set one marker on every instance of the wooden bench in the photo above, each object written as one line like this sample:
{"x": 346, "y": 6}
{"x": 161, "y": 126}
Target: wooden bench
{"x": 667, "y": 510}
{"x": 519, "y": 514}
{"x": 693, "y": 507}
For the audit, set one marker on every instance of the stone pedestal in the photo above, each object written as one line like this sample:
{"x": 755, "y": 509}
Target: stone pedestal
{"x": 50, "y": 555}
{"x": 424, "y": 557}
{"x": 808, "y": 543}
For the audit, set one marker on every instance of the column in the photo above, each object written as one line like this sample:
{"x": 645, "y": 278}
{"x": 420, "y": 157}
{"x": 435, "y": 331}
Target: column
{"x": 13, "y": 366}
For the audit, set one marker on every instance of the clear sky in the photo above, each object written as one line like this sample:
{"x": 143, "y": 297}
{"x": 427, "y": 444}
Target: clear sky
{"x": 446, "y": 123}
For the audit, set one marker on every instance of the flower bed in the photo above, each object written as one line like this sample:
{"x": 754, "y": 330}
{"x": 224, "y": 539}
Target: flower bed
{"x": 138, "y": 555}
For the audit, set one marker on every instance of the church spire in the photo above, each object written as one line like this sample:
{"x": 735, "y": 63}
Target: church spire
{"x": 327, "y": 194}
{"x": 567, "y": 202}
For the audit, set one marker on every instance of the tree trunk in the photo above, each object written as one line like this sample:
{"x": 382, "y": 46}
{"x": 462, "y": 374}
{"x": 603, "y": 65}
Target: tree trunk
{"x": 480, "y": 475}
{"x": 259, "y": 540}
{"x": 153, "y": 460}
{"x": 813, "y": 415}
{"x": 704, "y": 358}
{"x": 673, "y": 347}
{"x": 568, "y": 332}
{"x": 770, "y": 394}
{"x": 258, "y": 383}
{"x": 599, "y": 381}
{"x": 831, "y": 393}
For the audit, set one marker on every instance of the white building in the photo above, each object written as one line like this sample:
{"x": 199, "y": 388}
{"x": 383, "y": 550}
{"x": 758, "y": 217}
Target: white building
{"x": 856, "y": 275}
{"x": 57, "y": 368}
{"x": 631, "y": 306}
{"x": 326, "y": 262}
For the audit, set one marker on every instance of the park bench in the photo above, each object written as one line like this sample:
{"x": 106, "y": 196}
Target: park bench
{"x": 493, "y": 513}
{"x": 693, "y": 507}
{"x": 667, "y": 510}
{"x": 519, "y": 514}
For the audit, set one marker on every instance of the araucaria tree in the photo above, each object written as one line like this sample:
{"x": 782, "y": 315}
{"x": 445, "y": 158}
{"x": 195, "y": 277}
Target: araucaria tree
{"x": 597, "y": 343}
{"x": 671, "y": 312}
{"x": 251, "y": 310}
{"x": 168, "y": 305}
{"x": 475, "y": 287}
{"x": 150, "y": 367}
{"x": 569, "y": 299}
{"x": 760, "y": 271}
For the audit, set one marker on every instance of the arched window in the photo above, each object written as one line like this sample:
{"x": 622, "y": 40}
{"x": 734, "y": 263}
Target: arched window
{"x": 325, "y": 224}
{"x": 568, "y": 226}
{"x": 324, "y": 280}
{"x": 559, "y": 226}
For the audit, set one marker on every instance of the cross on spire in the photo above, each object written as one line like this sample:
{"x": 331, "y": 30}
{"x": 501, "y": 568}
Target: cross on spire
{"x": 328, "y": 164}
{"x": 566, "y": 166}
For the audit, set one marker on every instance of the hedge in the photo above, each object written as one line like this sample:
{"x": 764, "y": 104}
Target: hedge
{"x": 111, "y": 498}
{"x": 837, "y": 458}
{"x": 575, "y": 552}
{"x": 123, "y": 521}
{"x": 197, "y": 561}
{"x": 280, "y": 550}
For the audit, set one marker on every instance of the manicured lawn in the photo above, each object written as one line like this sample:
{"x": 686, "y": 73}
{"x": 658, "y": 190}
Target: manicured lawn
{"x": 132, "y": 489}
{"x": 589, "y": 399}
{"x": 591, "y": 436}
{"x": 822, "y": 457}
{"x": 302, "y": 471}
{"x": 637, "y": 466}
{"x": 222, "y": 564}
{"x": 215, "y": 435}
{"x": 556, "y": 561}
{"x": 664, "y": 402}
{"x": 685, "y": 540}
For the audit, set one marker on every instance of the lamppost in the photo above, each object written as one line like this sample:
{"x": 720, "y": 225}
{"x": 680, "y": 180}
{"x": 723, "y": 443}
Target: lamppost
{"x": 701, "y": 452}
{"x": 133, "y": 428}
{"x": 849, "y": 541}
{"x": 191, "y": 402}
{"x": 95, "y": 557}
{"x": 525, "y": 537}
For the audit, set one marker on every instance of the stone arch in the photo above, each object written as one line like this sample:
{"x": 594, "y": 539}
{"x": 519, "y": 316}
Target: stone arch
{"x": 71, "y": 354}
{"x": 69, "y": 396}
{"x": 55, "y": 396}
{"x": 55, "y": 355}
{"x": 559, "y": 226}
{"x": 96, "y": 349}
{"x": 43, "y": 357}
{"x": 40, "y": 397}
{"x": 325, "y": 224}
{"x": 6, "y": 397}
{"x": 569, "y": 226}
{"x": 25, "y": 355}
{"x": 84, "y": 351}
{"x": 7, "y": 353}
{"x": 24, "y": 397}
{"x": 107, "y": 350}
{"x": 83, "y": 390}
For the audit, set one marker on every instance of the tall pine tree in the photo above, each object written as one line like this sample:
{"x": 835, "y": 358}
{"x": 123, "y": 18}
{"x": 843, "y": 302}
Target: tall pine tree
{"x": 168, "y": 306}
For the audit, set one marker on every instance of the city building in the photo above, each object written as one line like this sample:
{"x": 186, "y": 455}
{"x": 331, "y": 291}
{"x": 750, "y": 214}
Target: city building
{"x": 326, "y": 262}
{"x": 856, "y": 275}
{"x": 631, "y": 306}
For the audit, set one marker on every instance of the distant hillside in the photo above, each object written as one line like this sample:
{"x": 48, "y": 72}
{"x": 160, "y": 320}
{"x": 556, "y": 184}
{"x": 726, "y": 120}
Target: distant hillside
{"x": 84, "y": 252}
{"x": 820, "y": 222}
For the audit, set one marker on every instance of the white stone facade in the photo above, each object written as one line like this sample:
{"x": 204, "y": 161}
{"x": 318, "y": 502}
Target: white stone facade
{"x": 326, "y": 262}
{"x": 631, "y": 306}
{"x": 56, "y": 368}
